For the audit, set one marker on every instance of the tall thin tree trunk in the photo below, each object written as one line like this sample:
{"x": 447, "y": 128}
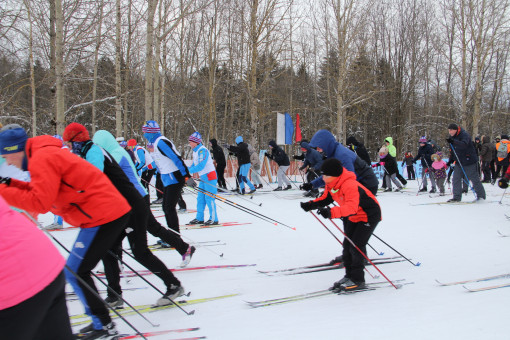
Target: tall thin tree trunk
{"x": 118, "y": 82}
{"x": 96, "y": 62}
{"x": 32, "y": 76}
{"x": 59, "y": 68}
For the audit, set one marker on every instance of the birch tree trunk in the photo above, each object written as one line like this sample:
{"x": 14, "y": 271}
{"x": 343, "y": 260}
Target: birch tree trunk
{"x": 59, "y": 68}
{"x": 96, "y": 59}
{"x": 118, "y": 81}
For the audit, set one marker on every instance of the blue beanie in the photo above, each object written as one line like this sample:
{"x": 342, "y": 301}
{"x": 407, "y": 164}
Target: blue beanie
{"x": 12, "y": 139}
{"x": 239, "y": 139}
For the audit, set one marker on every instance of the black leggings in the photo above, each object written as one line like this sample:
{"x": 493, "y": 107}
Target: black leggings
{"x": 44, "y": 316}
{"x": 354, "y": 261}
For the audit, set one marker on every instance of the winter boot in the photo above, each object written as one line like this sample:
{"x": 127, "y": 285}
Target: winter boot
{"x": 338, "y": 259}
{"x": 278, "y": 189}
{"x": 348, "y": 286}
{"x": 211, "y": 222}
{"x": 114, "y": 301}
{"x": 424, "y": 189}
{"x": 186, "y": 258}
{"x": 158, "y": 201}
{"x": 251, "y": 191}
{"x": 108, "y": 332}
{"x": 182, "y": 211}
{"x": 163, "y": 244}
{"x": 194, "y": 221}
{"x": 288, "y": 187}
{"x": 452, "y": 200}
{"x": 433, "y": 191}
{"x": 172, "y": 292}
{"x": 338, "y": 283}
{"x": 388, "y": 190}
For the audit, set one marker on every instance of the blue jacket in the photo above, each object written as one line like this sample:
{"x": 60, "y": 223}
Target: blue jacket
{"x": 352, "y": 162}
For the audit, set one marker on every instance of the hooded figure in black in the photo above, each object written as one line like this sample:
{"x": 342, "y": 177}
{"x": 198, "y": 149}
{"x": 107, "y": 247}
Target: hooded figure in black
{"x": 280, "y": 157}
{"x": 219, "y": 161}
{"x": 424, "y": 152}
{"x": 359, "y": 149}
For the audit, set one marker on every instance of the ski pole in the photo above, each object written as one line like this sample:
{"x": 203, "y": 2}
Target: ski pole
{"x": 464, "y": 172}
{"x": 336, "y": 238}
{"x": 414, "y": 264}
{"x": 147, "y": 281}
{"x": 235, "y": 194}
{"x": 501, "y": 200}
{"x": 243, "y": 208}
{"x": 378, "y": 253}
{"x": 360, "y": 251}
{"x": 30, "y": 217}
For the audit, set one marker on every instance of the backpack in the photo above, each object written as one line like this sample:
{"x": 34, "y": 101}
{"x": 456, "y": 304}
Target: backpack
{"x": 502, "y": 150}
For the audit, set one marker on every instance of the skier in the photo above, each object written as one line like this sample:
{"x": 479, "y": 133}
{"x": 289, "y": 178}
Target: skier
{"x": 408, "y": 162}
{"x": 204, "y": 167}
{"x": 82, "y": 145}
{"x": 172, "y": 169}
{"x": 390, "y": 167}
{"x": 32, "y": 298}
{"x": 243, "y": 158}
{"x": 82, "y": 195}
{"x": 486, "y": 157}
{"x": 392, "y": 151}
{"x": 326, "y": 143}
{"x": 255, "y": 167}
{"x": 312, "y": 163}
{"x": 280, "y": 157}
{"x": 219, "y": 162}
{"x": 424, "y": 152}
{"x": 360, "y": 212}
{"x": 466, "y": 159}
{"x": 144, "y": 164}
{"x": 438, "y": 167}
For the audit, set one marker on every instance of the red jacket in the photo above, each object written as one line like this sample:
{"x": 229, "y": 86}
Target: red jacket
{"x": 66, "y": 185}
{"x": 355, "y": 201}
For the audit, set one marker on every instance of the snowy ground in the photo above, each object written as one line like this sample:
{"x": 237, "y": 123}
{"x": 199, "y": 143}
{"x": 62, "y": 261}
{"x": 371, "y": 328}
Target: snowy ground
{"x": 452, "y": 242}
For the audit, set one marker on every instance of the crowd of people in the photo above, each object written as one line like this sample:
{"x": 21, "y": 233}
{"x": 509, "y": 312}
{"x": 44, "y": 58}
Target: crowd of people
{"x": 101, "y": 184}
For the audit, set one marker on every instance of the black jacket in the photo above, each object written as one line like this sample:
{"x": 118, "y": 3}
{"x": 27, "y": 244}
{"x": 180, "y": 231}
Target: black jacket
{"x": 278, "y": 155}
{"x": 464, "y": 148}
{"x": 424, "y": 152}
{"x": 359, "y": 149}
{"x": 241, "y": 152}
{"x": 217, "y": 153}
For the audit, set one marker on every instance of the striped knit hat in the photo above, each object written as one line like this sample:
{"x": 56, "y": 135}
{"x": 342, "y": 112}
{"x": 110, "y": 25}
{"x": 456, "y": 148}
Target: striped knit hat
{"x": 151, "y": 127}
{"x": 195, "y": 138}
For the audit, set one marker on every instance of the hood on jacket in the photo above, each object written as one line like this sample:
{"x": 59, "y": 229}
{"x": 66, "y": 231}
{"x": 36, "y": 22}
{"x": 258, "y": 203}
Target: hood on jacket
{"x": 305, "y": 145}
{"x": 35, "y": 144}
{"x": 389, "y": 140}
{"x": 325, "y": 140}
{"x": 239, "y": 140}
{"x": 214, "y": 142}
{"x": 106, "y": 140}
{"x": 352, "y": 140}
{"x": 485, "y": 139}
{"x": 272, "y": 143}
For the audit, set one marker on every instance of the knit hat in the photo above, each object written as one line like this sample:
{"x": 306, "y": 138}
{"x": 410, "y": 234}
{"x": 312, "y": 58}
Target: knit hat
{"x": 423, "y": 139}
{"x": 12, "y": 139}
{"x": 131, "y": 142}
{"x": 119, "y": 139}
{"x": 332, "y": 167}
{"x": 123, "y": 144}
{"x": 151, "y": 127}
{"x": 453, "y": 126}
{"x": 75, "y": 132}
{"x": 239, "y": 139}
{"x": 195, "y": 137}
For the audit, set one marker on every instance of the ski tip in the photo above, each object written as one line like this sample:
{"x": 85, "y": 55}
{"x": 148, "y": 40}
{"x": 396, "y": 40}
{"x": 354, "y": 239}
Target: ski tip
{"x": 418, "y": 264}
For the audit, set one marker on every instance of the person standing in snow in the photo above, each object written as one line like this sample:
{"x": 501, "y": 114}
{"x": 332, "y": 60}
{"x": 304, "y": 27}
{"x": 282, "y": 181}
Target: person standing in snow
{"x": 408, "y": 162}
{"x": 486, "y": 157}
{"x": 172, "y": 169}
{"x": 325, "y": 142}
{"x": 392, "y": 151}
{"x": 280, "y": 157}
{"x": 390, "y": 168}
{"x": 243, "y": 158}
{"x": 255, "y": 167}
{"x": 204, "y": 167}
{"x": 73, "y": 188}
{"x": 439, "y": 170}
{"x": 466, "y": 158}
{"x": 424, "y": 152}
{"x": 360, "y": 212}
{"x": 32, "y": 298}
{"x": 219, "y": 161}
{"x": 312, "y": 165}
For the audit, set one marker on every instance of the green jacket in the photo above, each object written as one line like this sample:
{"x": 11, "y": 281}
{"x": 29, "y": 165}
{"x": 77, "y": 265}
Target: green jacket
{"x": 392, "y": 150}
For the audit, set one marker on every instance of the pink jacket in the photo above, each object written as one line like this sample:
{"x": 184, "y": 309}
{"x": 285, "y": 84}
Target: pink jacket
{"x": 29, "y": 262}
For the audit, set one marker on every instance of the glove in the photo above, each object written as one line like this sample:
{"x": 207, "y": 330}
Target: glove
{"x": 296, "y": 157}
{"x": 324, "y": 212}
{"x": 306, "y": 186}
{"x": 191, "y": 182}
{"x": 267, "y": 155}
{"x": 503, "y": 183}
{"x": 382, "y": 163}
{"x": 307, "y": 206}
{"x": 7, "y": 180}
{"x": 449, "y": 140}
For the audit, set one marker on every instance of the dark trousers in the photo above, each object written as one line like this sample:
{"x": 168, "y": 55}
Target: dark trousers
{"x": 172, "y": 194}
{"x": 220, "y": 171}
{"x": 44, "y": 316}
{"x": 136, "y": 232}
{"x": 156, "y": 229}
{"x": 354, "y": 261}
{"x": 146, "y": 178}
{"x": 91, "y": 245}
{"x": 159, "y": 186}
{"x": 410, "y": 172}
{"x": 486, "y": 168}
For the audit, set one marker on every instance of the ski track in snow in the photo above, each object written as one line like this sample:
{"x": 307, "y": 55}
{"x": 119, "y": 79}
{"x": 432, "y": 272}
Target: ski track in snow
{"x": 452, "y": 242}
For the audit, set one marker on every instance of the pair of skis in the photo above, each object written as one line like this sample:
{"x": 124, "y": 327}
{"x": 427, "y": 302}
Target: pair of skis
{"x": 481, "y": 279}
{"x": 157, "y": 333}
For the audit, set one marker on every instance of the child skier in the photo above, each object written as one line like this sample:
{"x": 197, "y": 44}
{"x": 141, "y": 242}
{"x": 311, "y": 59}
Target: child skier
{"x": 360, "y": 212}
{"x": 390, "y": 167}
{"x": 439, "y": 170}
